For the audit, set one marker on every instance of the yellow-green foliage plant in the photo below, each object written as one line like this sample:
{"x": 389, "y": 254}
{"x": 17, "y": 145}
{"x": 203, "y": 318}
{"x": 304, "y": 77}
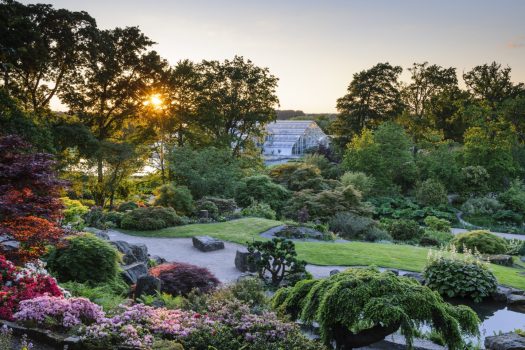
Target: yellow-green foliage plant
{"x": 361, "y": 306}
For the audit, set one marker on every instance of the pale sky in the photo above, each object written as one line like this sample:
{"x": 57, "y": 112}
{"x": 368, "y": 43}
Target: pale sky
{"x": 314, "y": 47}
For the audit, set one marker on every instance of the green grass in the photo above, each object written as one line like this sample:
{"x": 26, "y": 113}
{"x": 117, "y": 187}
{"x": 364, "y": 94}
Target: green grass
{"x": 404, "y": 257}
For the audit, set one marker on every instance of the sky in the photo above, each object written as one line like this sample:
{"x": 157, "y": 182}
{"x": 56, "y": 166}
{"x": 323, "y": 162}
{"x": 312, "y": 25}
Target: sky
{"x": 315, "y": 47}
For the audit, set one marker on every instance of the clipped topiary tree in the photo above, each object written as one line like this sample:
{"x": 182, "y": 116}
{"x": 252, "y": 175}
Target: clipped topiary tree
{"x": 84, "y": 258}
{"x": 481, "y": 241}
{"x": 431, "y": 193}
{"x": 359, "y": 307}
{"x": 277, "y": 258}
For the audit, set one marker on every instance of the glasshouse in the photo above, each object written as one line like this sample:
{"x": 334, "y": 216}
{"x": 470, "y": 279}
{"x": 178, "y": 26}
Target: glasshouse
{"x": 287, "y": 139}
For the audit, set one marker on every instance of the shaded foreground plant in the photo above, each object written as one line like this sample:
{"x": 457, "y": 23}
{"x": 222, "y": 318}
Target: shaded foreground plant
{"x": 361, "y": 306}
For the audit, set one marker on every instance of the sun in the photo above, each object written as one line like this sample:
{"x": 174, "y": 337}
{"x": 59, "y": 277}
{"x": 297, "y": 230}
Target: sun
{"x": 154, "y": 101}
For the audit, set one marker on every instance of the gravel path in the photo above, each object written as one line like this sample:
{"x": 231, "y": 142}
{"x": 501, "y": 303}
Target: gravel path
{"x": 456, "y": 231}
{"x": 220, "y": 262}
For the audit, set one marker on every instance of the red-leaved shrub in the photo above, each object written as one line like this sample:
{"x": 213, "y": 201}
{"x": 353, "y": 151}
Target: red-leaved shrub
{"x": 18, "y": 284}
{"x": 180, "y": 279}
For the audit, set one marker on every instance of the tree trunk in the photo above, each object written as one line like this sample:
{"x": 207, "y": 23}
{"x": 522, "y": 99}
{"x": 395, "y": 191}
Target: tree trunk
{"x": 99, "y": 195}
{"x": 347, "y": 340}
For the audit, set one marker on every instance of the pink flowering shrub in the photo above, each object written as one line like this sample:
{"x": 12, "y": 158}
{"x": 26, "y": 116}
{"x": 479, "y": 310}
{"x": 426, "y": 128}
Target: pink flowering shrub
{"x": 19, "y": 284}
{"x": 58, "y": 312}
{"x": 136, "y": 326}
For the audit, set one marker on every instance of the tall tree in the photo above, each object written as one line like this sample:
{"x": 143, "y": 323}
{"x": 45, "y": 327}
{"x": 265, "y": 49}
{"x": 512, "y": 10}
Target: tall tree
{"x": 41, "y": 46}
{"x": 373, "y": 97}
{"x": 236, "y": 98}
{"x": 422, "y": 96}
{"x": 492, "y": 83}
{"x": 108, "y": 92}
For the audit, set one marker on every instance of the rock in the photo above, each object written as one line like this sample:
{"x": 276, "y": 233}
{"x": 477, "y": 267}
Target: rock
{"x": 204, "y": 214}
{"x": 517, "y": 291}
{"x": 334, "y": 272}
{"x": 415, "y": 275}
{"x": 132, "y": 253}
{"x": 147, "y": 285}
{"x": 243, "y": 262}
{"x": 515, "y": 300}
{"x": 132, "y": 272}
{"x": 207, "y": 243}
{"x": 501, "y": 293}
{"x": 158, "y": 260}
{"x": 507, "y": 341}
{"x": 140, "y": 251}
{"x": 500, "y": 259}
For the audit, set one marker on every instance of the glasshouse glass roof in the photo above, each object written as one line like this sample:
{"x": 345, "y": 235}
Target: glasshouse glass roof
{"x": 292, "y": 137}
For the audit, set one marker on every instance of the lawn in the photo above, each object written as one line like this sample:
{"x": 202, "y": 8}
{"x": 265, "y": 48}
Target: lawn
{"x": 397, "y": 256}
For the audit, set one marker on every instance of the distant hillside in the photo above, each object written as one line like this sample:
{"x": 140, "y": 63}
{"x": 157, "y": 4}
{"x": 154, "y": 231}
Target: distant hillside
{"x": 287, "y": 114}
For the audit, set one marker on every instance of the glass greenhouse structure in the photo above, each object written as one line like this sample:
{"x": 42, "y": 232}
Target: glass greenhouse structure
{"x": 288, "y": 139}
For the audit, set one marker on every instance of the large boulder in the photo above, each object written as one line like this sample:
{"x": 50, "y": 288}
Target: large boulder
{"x": 131, "y": 253}
{"x": 507, "y": 341}
{"x": 516, "y": 300}
{"x": 500, "y": 259}
{"x": 132, "y": 272}
{"x": 501, "y": 294}
{"x": 207, "y": 243}
{"x": 147, "y": 285}
{"x": 244, "y": 263}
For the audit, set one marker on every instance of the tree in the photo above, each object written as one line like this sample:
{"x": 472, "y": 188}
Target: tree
{"x": 373, "y": 97}
{"x": 30, "y": 206}
{"x": 492, "y": 83}
{"x": 384, "y": 154}
{"x": 428, "y": 84}
{"x": 359, "y": 307}
{"x": 260, "y": 188}
{"x": 236, "y": 98}
{"x": 44, "y": 46}
{"x": 107, "y": 92}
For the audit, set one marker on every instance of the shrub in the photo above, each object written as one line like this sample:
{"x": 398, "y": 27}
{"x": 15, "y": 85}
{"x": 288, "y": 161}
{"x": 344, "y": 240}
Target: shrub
{"x": 514, "y": 196}
{"x": 209, "y": 206}
{"x": 475, "y": 179}
{"x": 481, "y": 206}
{"x": 125, "y": 206}
{"x": 481, "y": 241}
{"x": 181, "y": 279}
{"x": 404, "y": 230}
{"x": 58, "y": 312}
{"x": 84, "y": 258}
{"x": 259, "y": 210}
{"x": 435, "y": 238}
{"x": 351, "y": 226}
{"x": 515, "y": 247}
{"x": 73, "y": 212}
{"x": 277, "y": 258}
{"x": 354, "y": 308}
{"x": 112, "y": 218}
{"x": 226, "y": 206}
{"x": 508, "y": 216}
{"x": 375, "y": 234}
{"x": 359, "y": 180}
{"x": 19, "y": 284}
{"x": 260, "y": 188}
{"x": 431, "y": 193}
{"x": 108, "y": 295}
{"x": 437, "y": 224}
{"x": 179, "y": 198}
{"x": 455, "y": 275}
{"x": 150, "y": 218}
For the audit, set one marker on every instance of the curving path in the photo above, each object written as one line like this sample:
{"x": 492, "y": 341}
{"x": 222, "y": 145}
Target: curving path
{"x": 219, "y": 262}
{"x": 456, "y": 231}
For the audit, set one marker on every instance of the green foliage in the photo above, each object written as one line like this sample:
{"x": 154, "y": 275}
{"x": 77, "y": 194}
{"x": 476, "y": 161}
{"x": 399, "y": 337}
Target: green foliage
{"x": 437, "y": 224}
{"x": 514, "y": 196}
{"x": 356, "y": 300}
{"x": 259, "y": 210}
{"x": 278, "y": 258}
{"x": 150, "y": 218}
{"x": 249, "y": 290}
{"x": 179, "y": 198}
{"x": 164, "y": 344}
{"x": 84, "y": 258}
{"x": 260, "y": 188}
{"x": 515, "y": 247}
{"x": 125, "y": 206}
{"x": 455, "y": 275}
{"x": 203, "y": 204}
{"x": 108, "y": 295}
{"x": 73, "y": 212}
{"x": 482, "y": 241}
{"x": 403, "y": 208}
{"x": 384, "y": 154}
{"x": 481, "y": 206}
{"x": 226, "y": 206}
{"x": 359, "y": 180}
{"x": 206, "y": 172}
{"x": 351, "y": 226}
{"x": 436, "y": 238}
{"x": 431, "y": 193}
{"x": 297, "y": 176}
{"x": 328, "y": 169}
{"x": 404, "y": 230}
{"x": 440, "y": 163}
{"x": 475, "y": 180}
